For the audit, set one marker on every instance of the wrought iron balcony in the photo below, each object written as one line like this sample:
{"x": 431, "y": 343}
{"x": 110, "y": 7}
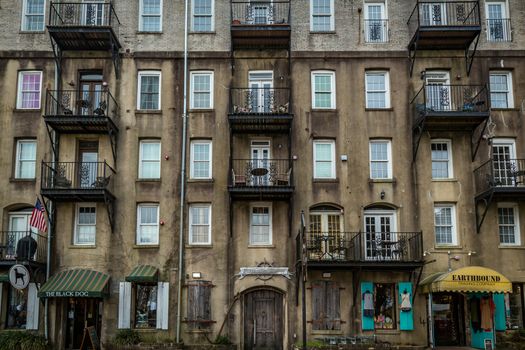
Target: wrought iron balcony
{"x": 22, "y": 246}
{"x": 261, "y": 178}
{"x": 77, "y": 181}
{"x": 504, "y": 177}
{"x": 84, "y": 25}
{"x": 257, "y": 24}
{"x": 364, "y": 248}
{"x": 260, "y": 109}
{"x": 376, "y": 30}
{"x": 499, "y": 30}
{"x": 73, "y": 111}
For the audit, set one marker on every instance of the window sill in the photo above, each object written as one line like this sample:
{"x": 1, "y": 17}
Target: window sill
{"x": 261, "y": 246}
{"x": 32, "y": 31}
{"x": 388, "y": 331}
{"x": 201, "y": 180}
{"x": 197, "y": 246}
{"x": 145, "y": 246}
{"x": 382, "y": 180}
{"x": 203, "y": 32}
{"x": 148, "y": 32}
{"x": 148, "y": 111}
{"x": 386, "y": 109}
{"x": 26, "y": 110}
{"x": 509, "y": 246}
{"x": 448, "y": 247}
{"x": 201, "y": 110}
{"x": 24, "y": 181}
{"x": 148, "y": 180}
{"x": 450, "y": 179}
{"x": 331, "y": 110}
{"x": 147, "y": 330}
{"x": 325, "y": 180}
{"x": 322, "y": 32}
{"x": 73, "y": 246}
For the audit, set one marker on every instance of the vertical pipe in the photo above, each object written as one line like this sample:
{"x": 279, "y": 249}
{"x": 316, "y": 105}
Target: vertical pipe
{"x": 430, "y": 322}
{"x": 183, "y": 170}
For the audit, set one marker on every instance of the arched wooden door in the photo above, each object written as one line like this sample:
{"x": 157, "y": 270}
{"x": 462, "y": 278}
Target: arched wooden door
{"x": 263, "y": 320}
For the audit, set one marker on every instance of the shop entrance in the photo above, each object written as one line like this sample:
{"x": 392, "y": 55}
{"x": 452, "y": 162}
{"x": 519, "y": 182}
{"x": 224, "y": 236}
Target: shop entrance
{"x": 448, "y": 315}
{"x": 263, "y": 320}
{"x": 81, "y": 313}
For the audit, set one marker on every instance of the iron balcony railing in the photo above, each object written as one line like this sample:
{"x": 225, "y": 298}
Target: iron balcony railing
{"x": 260, "y": 13}
{"x": 500, "y": 172}
{"x": 364, "y": 246}
{"x": 499, "y": 29}
{"x": 88, "y": 103}
{"x": 76, "y": 175}
{"x": 376, "y": 30}
{"x": 261, "y": 173}
{"x": 23, "y": 246}
{"x": 451, "y": 98}
{"x": 83, "y": 14}
{"x": 442, "y": 14}
{"x": 260, "y": 101}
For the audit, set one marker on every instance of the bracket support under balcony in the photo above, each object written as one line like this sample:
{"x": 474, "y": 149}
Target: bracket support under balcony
{"x": 487, "y": 200}
{"x": 110, "y": 207}
{"x": 469, "y": 57}
{"x": 476, "y": 143}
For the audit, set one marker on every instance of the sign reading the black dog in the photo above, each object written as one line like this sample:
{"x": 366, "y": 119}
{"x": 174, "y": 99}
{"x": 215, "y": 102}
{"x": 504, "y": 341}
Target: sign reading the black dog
{"x": 19, "y": 276}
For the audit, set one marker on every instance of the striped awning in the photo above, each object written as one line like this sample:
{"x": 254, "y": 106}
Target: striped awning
{"x": 76, "y": 283}
{"x": 143, "y": 273}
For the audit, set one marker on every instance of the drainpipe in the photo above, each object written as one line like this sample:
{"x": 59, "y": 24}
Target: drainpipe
{"x": 183, "y": 171}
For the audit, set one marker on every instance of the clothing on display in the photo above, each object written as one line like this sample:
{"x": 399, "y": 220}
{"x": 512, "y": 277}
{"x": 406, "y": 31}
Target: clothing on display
{"x": 368, "y": 301}
{"x": 406, "y": 305}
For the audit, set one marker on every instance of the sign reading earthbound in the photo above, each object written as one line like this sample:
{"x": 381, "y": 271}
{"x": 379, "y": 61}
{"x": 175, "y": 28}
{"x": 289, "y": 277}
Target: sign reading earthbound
{"x": 476, "y": 278}
{"x": 76, "y": 294}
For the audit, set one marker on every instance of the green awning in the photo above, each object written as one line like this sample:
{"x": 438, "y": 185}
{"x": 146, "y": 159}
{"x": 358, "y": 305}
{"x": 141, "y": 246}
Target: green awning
{"x": 4, "y": 277}
{"x": 77, "y": 283}
{"x": 143, "y": 273}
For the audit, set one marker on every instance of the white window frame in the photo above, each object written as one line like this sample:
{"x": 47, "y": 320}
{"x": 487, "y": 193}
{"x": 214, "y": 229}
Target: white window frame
{"x": 192, "y": 88}
{"x": 332, "y": 158}
{"x": 190, "y": 223}
{"x": 332, "y": 88}
{"x": 384, "y": 17}
{"x": 388, "y": 161}
{"x": 77, "y": 215}
{"x": 24, "y": 18}
{"x": 193, "y": 18}
{"x": 19, "y": 89}
{"x": 510, "y": 93}
{"x": 332, "y": 18}
{"x": 144, "y": 73}
{"x": 386, "y": 76}
{"x": 19, "y": 161}
{"x": 141, "y": 160}
{"x": 517, "y": 231}
{"x": 139, "y": 225}
{"x": 141, "y": 17}
{"x": 450, "y": 165}
{"x": 453, "y": 218}
{"x": 192, "y": 158}
{"x": 270, "y": 229}
{"x": 507, "y": 36}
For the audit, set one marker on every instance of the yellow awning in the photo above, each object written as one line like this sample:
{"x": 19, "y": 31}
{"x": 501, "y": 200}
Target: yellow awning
{"x": 467, "y": 279}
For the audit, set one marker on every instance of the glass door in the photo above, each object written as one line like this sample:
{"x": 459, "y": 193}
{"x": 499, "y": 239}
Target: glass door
{"x": 261, "y": 92}
{"x": 438, "y": 91}
{"x": 496, "y": 21}
{"x": 90, "y": 94}
{"x": 326, "y": 230}
{"x": 261, "y": 12}
{"x": 380, "y": 236}
{"x": 375, "y": 25}
{"x": 19, "y": 228}
{"x": 88, "y": 167}
{"x": 260, "y": 163}
{"x": 93, "y": 13}
{"x": 433, "y": 14}
{"x": 504, "y": 164}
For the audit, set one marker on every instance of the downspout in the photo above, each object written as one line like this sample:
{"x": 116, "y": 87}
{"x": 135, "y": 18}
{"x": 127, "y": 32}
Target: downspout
{"x": 183, "y": 172}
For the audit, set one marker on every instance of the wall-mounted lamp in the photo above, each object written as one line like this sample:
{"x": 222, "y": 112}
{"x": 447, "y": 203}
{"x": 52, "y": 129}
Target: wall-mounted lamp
{"x": 422, "y": 75}
{"x": 105, "y": 83}
{"x": 382, "y": 194}
{"x": 450, "y": 258}
{"x": 470, "y": 253}
{"x": 161, "y": 222}
{"x": 166, "y": 157}
{"x": 426, "y": 252}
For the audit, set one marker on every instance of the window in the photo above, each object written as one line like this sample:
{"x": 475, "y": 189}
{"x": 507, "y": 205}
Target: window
{"x": 325, "y": 232}
{"x": 261, "y": 225}
{"x": 202, "y": 15}
{"x": 381, "y": 237}
{"x": 199, "y": 304}
{"x": 501, "y": 90}
{"x": 505, "y": 166}
{"x": 147, "y": 224}
{"x": 377, "y": 90}
{"x": 145, "y": 305}
{"x": 149, "y": 93}
{"x": 326, "y": 306}
{"x": 22, "y": 308}
{"x": 25, "y": 159}
{"x": 33, "y": 13}
{"x": 150, "y": 19}
{"x": 498, "y": 22}
{"x": 29, "y": 87}
{"x": 514, "y": 307}
{"x": 201, "y": 90}
{"x": 380, "y": 159}
{"x": 85, "y": 224}
{"x": 322, "y": 15}
{"x": 445, "y": 224}
{"x": 508, "y": 224}
{"x": 200, "y": 224}
{"x": 323, "y": 90}
{"x": 385, "y": 306}
{"x": 149, "y": 162}
{"x": 200, "y": 159}
{"x": 376, "y": 24}
{"x": 441, "y": 159}
{"x": 324, "y": 159}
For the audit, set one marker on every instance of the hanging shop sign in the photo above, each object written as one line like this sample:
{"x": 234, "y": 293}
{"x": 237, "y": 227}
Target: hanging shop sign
{"x": 19, "y": 276}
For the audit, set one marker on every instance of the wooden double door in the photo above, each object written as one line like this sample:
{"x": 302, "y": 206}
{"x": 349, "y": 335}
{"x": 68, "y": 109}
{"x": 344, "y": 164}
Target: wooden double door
{"x": 263, "y": 320}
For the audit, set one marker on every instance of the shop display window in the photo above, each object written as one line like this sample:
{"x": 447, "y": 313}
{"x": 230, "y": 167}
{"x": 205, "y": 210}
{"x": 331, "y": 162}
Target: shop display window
{"x": 384, "y": 306}
{"x": 145, "y": 306}
{"x": 17, "y": 308}
{"x": 514, "y": 307}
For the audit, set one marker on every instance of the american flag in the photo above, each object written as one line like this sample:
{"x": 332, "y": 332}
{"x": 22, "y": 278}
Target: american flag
{"x": 38, "y": 219}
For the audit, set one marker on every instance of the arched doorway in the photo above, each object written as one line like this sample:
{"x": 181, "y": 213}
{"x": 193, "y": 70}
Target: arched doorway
{"x": 263, "y": 320}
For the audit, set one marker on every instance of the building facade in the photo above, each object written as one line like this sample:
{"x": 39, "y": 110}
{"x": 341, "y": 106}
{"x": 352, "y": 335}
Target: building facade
{"x": 352, "y": 168}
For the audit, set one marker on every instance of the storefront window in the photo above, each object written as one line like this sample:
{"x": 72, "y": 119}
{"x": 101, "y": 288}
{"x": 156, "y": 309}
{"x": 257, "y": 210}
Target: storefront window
{"x": 145, "y": 306}
{"x": 384, "y": 306}
{"x": 514, "y": 307}
{"x": 17, "y": 308}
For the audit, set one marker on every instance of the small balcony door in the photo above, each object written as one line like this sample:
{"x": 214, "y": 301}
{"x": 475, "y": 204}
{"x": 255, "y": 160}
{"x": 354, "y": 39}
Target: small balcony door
{"x": 18, "y": 228}
{"x": 261, "y": 92}
{"x": 380, "y": 236}
{"x": 504, "y": 164}
{"x": 497, "y": 29}
{"x": 260, "y": 12}
{"x": 90, "y": 94}
{"x": 375, "y": 23}
{"x": 88, "y": 167}
{"x": 438, "y": 91}
{"x": 433, "y": 14}
{"x": 93, "y": 13}
{"x": 260, "y": 163}
{"x": 326, "y": 227}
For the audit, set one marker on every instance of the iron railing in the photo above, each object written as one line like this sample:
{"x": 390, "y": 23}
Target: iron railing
{"x": 376, "y": 30}
{"x": 365, "y": 246}
{"x": 76, "y": 175}
{"x": 23, "y": 246}
{"x": 83, "y": 14}
{"x": 260, "y": 13}
{"x": 451, "y": 98}
{"x": 261, "y": 173}
{"x": 432, "y": 14}
{"x": 500, "y": 173}
{"x": 88, "y": 103}
{"x": 260, "y": 101}
{"x": 499, "y": 29}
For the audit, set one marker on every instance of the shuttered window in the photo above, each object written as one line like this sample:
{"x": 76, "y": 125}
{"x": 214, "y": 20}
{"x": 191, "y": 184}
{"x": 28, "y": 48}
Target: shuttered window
{"x": 326, "y": 308}
{"x": 199, "y": 309}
